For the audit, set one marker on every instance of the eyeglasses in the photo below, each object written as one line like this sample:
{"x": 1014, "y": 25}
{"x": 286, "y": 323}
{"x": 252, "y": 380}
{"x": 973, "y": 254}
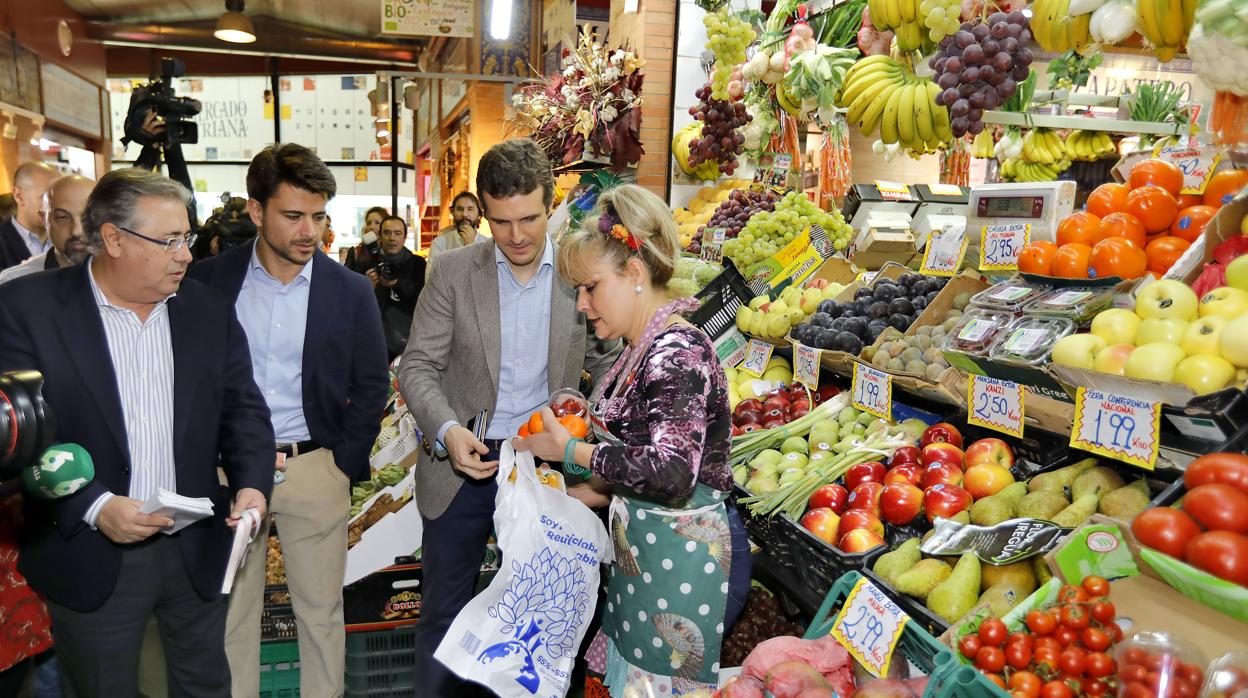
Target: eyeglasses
{"x": 171, "y": 245}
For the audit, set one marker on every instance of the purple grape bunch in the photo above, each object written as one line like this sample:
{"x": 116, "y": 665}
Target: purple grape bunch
{"x": 721, "y": 138}
{"x": 736, "y": 211}
{"x": 980, "y": 66}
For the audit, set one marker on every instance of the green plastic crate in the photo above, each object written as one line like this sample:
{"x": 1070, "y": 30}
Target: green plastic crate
{"x": 381, "y": 663}
{"x": 279, "y": 669}
{"x": 949, "y": 678}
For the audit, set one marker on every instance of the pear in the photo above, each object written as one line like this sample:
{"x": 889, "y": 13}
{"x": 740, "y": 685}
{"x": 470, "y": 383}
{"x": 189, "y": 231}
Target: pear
{"x": 954, "y": 597}
{"x": 1125, "y": 503}
{"x": 1060, "y": 479}
{"x": 893, "y": 563}
{"x": 1042, "y": 504}
{"x": 1001, "y": 598}
{"x": 1041, "y": 568}
{"x": 999, "y": 507}
{"x": 1018, "y": 575}
{"x": 962, "y": 517}
{"x": 1077, "y": 512}
{"x": 745, "y": 318}
{"x": 923, "y": 577}
{"x": 1099, "y": 480}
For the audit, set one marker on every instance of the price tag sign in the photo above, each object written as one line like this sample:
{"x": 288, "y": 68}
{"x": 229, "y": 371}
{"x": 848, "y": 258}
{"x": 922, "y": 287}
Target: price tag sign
{"x": 1197, "y": 164}
{"x": 945, "y": 190}
{"x": 1117, "y": 427}
{"x": 944, "y": 252}
{"x": 806, "y": 365}
{"x": 872, "y": 391}
{"x": 757, "y": 354}
{"x": 995, "y": 404}
{"x": 713, "y": 244}
{"x": 869, "y": 626}
{"x": 1000, "y": 245}
{"x": 893, "y": 191}
{"x": 730, "y": 348}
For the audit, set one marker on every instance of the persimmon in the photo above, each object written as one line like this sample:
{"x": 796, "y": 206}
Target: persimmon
{"x": 1107, "y": 198}
{"x": 1071, "y": 261}
{"x": 1079, "y": 226}
{"x": 1164, "y": 252}
{"x": 1224, "y": 186}
{"x": 1117, "y": 257}
{"x": 1191, "y": 222}
{"x": 1189, "y": 200}
{"x": 1121, "y": 225}
{"x": 1158, "y": 173}
{"x": 1037, "y": 258}
{"x": 1155, "y": 207}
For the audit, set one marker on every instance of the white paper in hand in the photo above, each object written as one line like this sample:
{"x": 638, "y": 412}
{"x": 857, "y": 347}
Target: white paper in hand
{"x": 183, "y": 510}
{"x": 244, "y": 534}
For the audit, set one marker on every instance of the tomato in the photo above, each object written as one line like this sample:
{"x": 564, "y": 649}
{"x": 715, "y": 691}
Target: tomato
{"x": 1099, "y": 664}
{"x": 1118, "y": 257}
{"x": 1056, "y": 689}
{"x": 992, "y": 632}
{"x": 1074, "y": 617}
{"x": 1072, "y": 661}
{"x": 1041, "y": 622}
{"x": 1095, "y": 586}
{"x": 1155, "y": 207}
{"x": 1095, "y": 688}
{"x": 1114, "y": 631}
{"x": 1071, "y": 593}
{"x": 1107, "y": 199}
{"x": 1165, "y": 530}
{"x": 990, "y": 659}
{"x": 1136, "y": 689}
{"x": 1191, "y": 673}
{"x": 1080, "y": 227}
{"x": 1218, "y": 507}
{"x": 1132, "y": 672}
{"x": 995, "y": 678}
{"x": 1164, "y": 252}
{"x": 1103, "y": 612}
{"x": 1020, "y": 638}
{"x": 1224, "y": 185}
{"x": 1158, "y": 173}
{"x": 1225, "y": 468}
{"x": 1021, "y": 694}
{"x": 1121, "y": 225}
{"x": 1222, "y": 554}
{"x": 1066, "y": 636}
{"x": 1037, "y": 258}
{"x": 969, "y": 645}
{"x": 1025, "y": 681}
{"x": 1094, "y": 639}
{"x": 1071, "y": 261}
{"x": 1191, "y": 222}
{"x": 1048, "y": 643}
{"x": 1018, "y": 655}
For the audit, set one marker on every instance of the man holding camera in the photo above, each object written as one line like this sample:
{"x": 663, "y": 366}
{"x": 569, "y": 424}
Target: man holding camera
{"x": 397, "y": 280}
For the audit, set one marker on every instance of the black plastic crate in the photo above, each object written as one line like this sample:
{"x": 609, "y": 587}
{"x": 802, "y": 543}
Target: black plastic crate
{"x": 381, "y": 663}
{"x": 720, "y": 300}
{"x": 1043, "y": 448}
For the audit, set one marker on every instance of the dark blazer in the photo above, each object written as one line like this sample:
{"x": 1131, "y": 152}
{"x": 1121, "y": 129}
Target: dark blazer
{"x": 50, "y": 322}
{"x": 13, "y": 250}
{"x": 345, "y": 376}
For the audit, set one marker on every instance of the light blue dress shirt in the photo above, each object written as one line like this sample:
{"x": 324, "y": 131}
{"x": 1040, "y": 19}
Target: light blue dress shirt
{"x": 275, "y": 317}
{"x": 33, "y": 243}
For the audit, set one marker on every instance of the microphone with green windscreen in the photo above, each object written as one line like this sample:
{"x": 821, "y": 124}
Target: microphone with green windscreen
{"x": 62, "y": 470}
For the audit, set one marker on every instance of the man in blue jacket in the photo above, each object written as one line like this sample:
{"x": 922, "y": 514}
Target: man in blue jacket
{"x": 319, "y": 358}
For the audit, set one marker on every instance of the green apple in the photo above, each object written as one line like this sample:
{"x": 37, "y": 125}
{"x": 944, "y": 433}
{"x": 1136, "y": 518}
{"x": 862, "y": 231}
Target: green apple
{"x": 794, "y": 444}
{"x": 1155, "y": 361}
{"x": 1237, "y": 273}
{"x": 1225, "y": 302}
{"x": 1113, "y": 358}
{"x": 1077, "y": 350}
{"x": 1233, "y": 342}
{"x": 1166, "y": 299}
{"x": 1201, "y": 337}
{"x": 1116, "y": 326}
{"x": 1155, "y": 329}
{"x": 1204, "y": 374}
{"x": 793, "y": 460}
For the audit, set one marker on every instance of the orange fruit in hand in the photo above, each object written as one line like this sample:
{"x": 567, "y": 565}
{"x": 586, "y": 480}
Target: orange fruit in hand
{"x": 575, "y": 425}
{"x": 1158, "y": 173}
{"x": 1121, "y": 225}
{"x": 1071, "y": 261}
{"x": 1107, "y": 199}
{"x": 1155, "y": 207}
{"x": 1191, "y": 222}
{"x": 524, "y": 431}
{"x": 535, "y": 423}
{"x": 1224, "y": 186}
{"x": 1037, "y": 258}
{"x": 1117, "y": 257}
{"x": 1164, "y": 252}
{"x": 1080, "y": 227}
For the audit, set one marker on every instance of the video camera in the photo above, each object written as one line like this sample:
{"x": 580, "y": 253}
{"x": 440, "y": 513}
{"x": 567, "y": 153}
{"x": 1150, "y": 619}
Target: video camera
{"x": 158, "y": 95}
{"x": 26, "y": 421}
{"x": 386, "y": 270}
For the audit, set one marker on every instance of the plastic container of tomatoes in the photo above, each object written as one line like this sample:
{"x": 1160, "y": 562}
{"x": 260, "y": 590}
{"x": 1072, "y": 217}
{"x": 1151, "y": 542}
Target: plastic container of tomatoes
{"x": 1159, "y": 664}
{"x": 1079, "y": 304}
{"x": 1227, "y": 676}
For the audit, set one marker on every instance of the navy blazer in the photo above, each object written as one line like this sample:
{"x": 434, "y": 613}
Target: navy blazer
{"x": 49, "y": 322}
{"x": 13, "y": 250}
{"x": 346, "y": 378}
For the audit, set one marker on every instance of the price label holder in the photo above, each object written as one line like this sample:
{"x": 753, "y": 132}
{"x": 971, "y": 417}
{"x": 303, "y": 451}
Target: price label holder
{"x": 944, "y": 251}
{"x": 806, "y": 365}
{"x": 872, "y": 391}
{"x": 1197, "y": 164}
{"x": 713, "y": 244}
{"x": 945, "y": 190}
{"x": 1117, "y": 427}
{"x": 995, "y": 404}
{"x": 757, "y": 354}
{"x": 869, "y": 626}
{"x": 892, "y": 191}
{"x": 1000, "y": 245}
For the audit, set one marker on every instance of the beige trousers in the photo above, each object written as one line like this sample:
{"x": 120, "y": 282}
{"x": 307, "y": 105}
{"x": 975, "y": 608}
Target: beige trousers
{"x": 311, "y": 509}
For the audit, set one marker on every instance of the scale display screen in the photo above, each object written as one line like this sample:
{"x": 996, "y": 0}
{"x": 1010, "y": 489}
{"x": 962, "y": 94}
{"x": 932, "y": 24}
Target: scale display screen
{"x": 1010, "y": 206}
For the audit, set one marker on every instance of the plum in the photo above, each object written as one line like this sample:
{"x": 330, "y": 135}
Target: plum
{"x": 878, "y": 310}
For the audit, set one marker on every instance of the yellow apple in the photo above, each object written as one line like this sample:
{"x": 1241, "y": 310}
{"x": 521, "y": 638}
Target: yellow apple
{"x": 1225, "y": 302}
{"x": 1237, "y": 271}
{"x": 1204, "y": 374}
{"x": 1116, "y": 326}
{"x": 1113, "y": 358}
{"x": 1201, "y": 337}
{"x": 1166, "y": 299}
{"x": 1077, "y": 350}
{"x": 1233, "y": 342}
{"x": 1155, "y": 361}
{"x": 1155, "y": 329}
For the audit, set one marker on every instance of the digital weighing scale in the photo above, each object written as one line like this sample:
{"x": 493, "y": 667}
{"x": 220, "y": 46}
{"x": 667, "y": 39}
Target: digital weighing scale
{"x": 1041, "y": 204}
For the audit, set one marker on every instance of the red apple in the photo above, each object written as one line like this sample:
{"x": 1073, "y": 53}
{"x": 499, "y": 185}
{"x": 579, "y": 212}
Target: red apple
{"x": 747, "y": 428}
{"x": 860, "y": 540}
{"x": 866, "y": 496}
{"x": 825, "y": 393}
{"x": 943, "y": 432}
{"x": 986, "y": 479}
{"x": 743, "y": 417}
{"x": 861, "y": 518}
{"x": 994, "y": 451}
{"x": 774, "y": 422}
{"x": 799, "y": 412}
{"x": 778, "y": 393}
{"x": 824, "y": 523}
{"x": 906, "y": 472}
{"x": 801, "y": 403}
{"x": 945, "y": 501}
{"x": 775, "y": 403}
{"x": 774, "y": 413}
{"x": 942, "y": 453}
{"x": 900, "y": 503}
{"x": 941, "y": 473}
{"x": 750, "y": 405}
{"x": 871, "y": 471}
{"x": 737, "y": 431}
{"x": 832, "y": 496}
{"x": 903, "y": 455}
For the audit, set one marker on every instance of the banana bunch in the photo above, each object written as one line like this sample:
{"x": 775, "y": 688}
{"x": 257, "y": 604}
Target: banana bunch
{"x": 1043, "y": 146}
{"x": 903, "y": 18}
{"x": 1088, "y": 146}
{"x": 880, "y": 92}
{"x": 1022, "y": 171}
{"x": 1166, "y": 24}
{"x": 983, "y": 146}
{"x": 707, "y": 171}
{"x": 1056, "y": 30}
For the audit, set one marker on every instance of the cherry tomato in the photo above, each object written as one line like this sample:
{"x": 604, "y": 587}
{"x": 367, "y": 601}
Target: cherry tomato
{"x": 1066, "y": 636}
{"x": 1074, "y": 617}
{"x": 995, "y": 678}
{"x": 1096, "y": 586}
{"x": 1103, "y": 612}
{"x": 1134, "y": 655}
{"x": 1191, "y": 673}
{"x": 1114, "y": 631}
{"x": 1095, "y": 688}
{"x": 1048, "y": 643}
{"x": 1018, "y": 655}
{"x": 1099, "y": 664}
{"x": 1021, "y": 694}
{"x": 992, "y": 632}
{"x": 1026, "y": 682}
{"x": 1041, "y": 622}
{"x": 1184, "y": 688}
{"x": 1022, "y": 638}
{"x": 1136, "y": 689}
{"x": 1045, "y": 656}
{"x": 1071, "y": 593}
{"x": 969, "y": 645}
{"x": 1132, "y": 672}
{"x": 1056, "y": 689}
{"x": 1073, "y": 661}
{"x": 990, "y": 659}
{"x": 1094, "y": 639}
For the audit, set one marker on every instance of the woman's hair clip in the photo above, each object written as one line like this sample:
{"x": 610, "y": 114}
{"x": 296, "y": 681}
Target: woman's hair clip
{"x": 609, "y": 224}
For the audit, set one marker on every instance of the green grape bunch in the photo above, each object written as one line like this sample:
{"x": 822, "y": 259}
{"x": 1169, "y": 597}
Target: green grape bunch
{"x": 767, "y": 233}
{"x": 727, "y": 37}
{"x": 941, "y": 18}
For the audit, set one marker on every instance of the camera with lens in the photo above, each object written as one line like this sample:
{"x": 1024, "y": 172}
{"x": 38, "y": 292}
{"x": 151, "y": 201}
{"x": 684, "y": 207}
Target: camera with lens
{"x": 26, "y": 421}
{"x": 386, "y": 270}
{"x": 230, "y": 225}
{"x": 158, "y": 95}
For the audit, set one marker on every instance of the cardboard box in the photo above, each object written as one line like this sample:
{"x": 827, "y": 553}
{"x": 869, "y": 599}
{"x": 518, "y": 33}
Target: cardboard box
{"x": 1224, "y": 226}
{"x": 876, "y": 247}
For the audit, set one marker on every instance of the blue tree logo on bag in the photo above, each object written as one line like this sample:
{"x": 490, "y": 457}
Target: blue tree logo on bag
{"x": 540, "y": 609}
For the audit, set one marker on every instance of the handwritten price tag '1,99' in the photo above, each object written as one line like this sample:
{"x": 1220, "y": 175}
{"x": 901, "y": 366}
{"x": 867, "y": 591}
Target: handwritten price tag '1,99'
{"x": 872, "y": 391}
{"x": 1117, "y": 427}
{"x": 944, "y": 252}
{"x": 1000, "y": 245}
{"x": 757, "y": 354}
{"x": 806, "y": 365}
{"x": 869, "y": 626}
{"x": 995, "y": 404}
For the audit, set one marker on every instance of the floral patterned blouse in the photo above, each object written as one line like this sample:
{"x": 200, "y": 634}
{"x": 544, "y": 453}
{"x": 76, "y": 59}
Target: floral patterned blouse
{"x": 25, "y": 627}
{"x": 676, "y": 425}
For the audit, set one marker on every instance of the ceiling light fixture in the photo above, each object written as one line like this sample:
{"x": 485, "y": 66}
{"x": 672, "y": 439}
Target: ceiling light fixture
{"x": 500, "y": 20}
{"x": 234, "y": 26}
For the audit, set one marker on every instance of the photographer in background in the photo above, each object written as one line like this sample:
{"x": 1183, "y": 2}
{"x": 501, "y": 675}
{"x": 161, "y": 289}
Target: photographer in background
{"x": 397, "y": 280}
{"x": 363, "y": 256}
{"x": 228, "y": 227}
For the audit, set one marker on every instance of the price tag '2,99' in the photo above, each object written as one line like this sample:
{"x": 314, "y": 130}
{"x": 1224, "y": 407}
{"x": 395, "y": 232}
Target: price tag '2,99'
{"x": 1117, "y": 427}
{"x": 869, "y": 626}
{"x": 872, "y": 391}
{"x": 995, "y": 404}
{"x": 1000, "y": 246}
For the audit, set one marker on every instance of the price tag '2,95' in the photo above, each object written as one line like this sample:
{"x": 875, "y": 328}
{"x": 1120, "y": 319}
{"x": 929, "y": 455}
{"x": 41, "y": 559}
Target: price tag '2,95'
{"x": 1117, "y": 427}
{"x": 757, "y": 354}
{"x": 872, "y": 391}
{"x": 995, "y": 404}
{"x": 1000, "y": 245}
{"x": 869, "y": 626}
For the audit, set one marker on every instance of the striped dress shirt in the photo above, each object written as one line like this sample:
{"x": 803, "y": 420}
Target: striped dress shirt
{"x": 142, "y": 357}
